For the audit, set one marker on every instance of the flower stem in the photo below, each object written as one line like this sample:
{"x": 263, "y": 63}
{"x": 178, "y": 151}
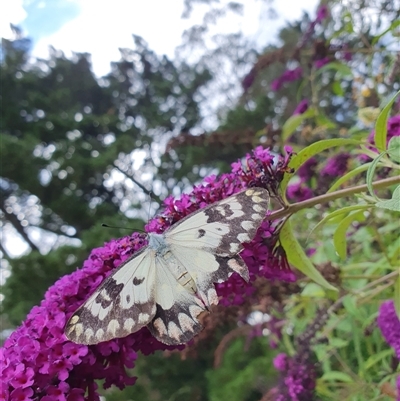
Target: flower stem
{"x": 291, "y": 209}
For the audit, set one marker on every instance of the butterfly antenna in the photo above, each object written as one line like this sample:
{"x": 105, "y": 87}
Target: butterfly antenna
{"x": 122, "y": 228}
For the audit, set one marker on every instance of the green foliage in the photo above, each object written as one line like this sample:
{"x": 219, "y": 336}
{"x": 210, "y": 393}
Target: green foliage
{"x": 31, "y": 275}
{"x": 245, "y": 372}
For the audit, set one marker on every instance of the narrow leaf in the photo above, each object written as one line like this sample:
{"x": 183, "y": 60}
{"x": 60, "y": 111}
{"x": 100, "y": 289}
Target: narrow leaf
{"x": 371, "y": 173}
{"x": 311, "y": 151}
{"x": 337, "y": 376}
{"x": 381, "y": 125}
{"x": 392, "y": 26}
{"x": 293, "y": 122}
{"x": 374, "y": 359}
{"x": 348, "y": 176}
{"x": 336, "y": 213}
{"x": 297, "y": 257}
{"x": 340, "y": 237}
{"x": 342, "y": 69}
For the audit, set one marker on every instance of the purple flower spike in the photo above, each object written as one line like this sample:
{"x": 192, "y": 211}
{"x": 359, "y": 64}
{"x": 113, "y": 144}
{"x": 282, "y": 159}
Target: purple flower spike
{"x": 301, "y": 108}
{"x": 389, "y": 324}
{"x": 287, "y": 76}
{"x": 322, "y": 13}
{"x": 37, "y": 362}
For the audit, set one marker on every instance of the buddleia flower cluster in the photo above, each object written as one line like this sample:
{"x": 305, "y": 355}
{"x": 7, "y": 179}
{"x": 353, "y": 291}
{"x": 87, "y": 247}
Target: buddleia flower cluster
{"x": 38, "y": 362}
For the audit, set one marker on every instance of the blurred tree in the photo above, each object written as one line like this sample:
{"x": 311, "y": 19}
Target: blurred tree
{"x": 75, "y": 151}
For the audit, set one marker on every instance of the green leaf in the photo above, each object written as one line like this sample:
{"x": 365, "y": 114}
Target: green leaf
{"x": 381, "y": 125}
{"x": 348, "y": 176}
{"x": 311, "y": 151}
{"x": 337, "y": 342}
{"x": 350, "y": 304}
{"x": 324, "y": 122}
{"x": 293, "y": 122}
{"x": 339, "y": 237}
{"x": 392, "y": 26}
{"x": 391, "y": 204}
{"x": 375, "y": 358}
{"x": 339, "y": 212}
{"x": 342, "y": 69}
{"x": 394, "y": 148}
{"x": 297, "y": 257}
{"x": 337, "y": 376}
{"x": 337, "y": 89}
{"x": 313, "y": 290}
{"x": 371, "y": 173}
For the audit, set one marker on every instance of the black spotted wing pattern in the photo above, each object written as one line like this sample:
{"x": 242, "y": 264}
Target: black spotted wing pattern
{"x": 207, "y": 245}
{"x": 123, "y": 304}
{"x": 168, "y": 287}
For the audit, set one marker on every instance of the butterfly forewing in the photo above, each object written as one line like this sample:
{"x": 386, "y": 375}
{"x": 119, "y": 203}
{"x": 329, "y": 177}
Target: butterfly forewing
{"x": 120, "y": 306}
{"x": 169, "y": 284}
{"x": 222, "y": 227}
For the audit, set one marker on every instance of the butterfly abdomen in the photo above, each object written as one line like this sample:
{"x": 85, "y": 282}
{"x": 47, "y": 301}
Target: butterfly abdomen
{"x": 163, "y": 251}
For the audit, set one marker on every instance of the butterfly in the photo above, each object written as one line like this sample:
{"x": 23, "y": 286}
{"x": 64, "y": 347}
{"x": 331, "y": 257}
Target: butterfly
{"x": 169, "y": 283}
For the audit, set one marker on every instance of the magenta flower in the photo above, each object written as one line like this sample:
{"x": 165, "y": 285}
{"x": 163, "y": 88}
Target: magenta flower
{"x": 336, "y": 166}
{"x": 280, "y": 362}
{"x": 301, "y": 108}
{"x": 322, "y": 13}
{"x": 21, "y": 394}
{"x": 393, "y": 129}
{"x": 321, "y": 62}
{"x": 248, "y": 80}
{"x": 38, "y": 362}
{"x": 307, "y": 170}
{"x": 299, "y": 192}
{"x": 389, "y": 325}
{"x": 287, "y": 76}
{"x": 298, "y": 378}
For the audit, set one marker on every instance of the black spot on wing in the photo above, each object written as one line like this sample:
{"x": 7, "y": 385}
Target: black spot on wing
{"x": 137, "y": 281}
{"x": 201, "y": 233}
{"x": 109, "y": 293}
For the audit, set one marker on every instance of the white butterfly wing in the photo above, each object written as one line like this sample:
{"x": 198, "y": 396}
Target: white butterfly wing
{"x": 175, "y": 321}
{"x": 206, "y": 245}
{"x": 208, "y": 242}
{"x": 148, "y": 289}
{"x": 123, "y": 304}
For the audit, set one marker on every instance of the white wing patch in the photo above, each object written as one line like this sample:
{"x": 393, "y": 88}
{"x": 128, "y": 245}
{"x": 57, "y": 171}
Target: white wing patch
{"x": 170, "y": 283}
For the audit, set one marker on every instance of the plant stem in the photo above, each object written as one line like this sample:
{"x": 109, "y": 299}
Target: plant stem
{"x": 291, "y": 209}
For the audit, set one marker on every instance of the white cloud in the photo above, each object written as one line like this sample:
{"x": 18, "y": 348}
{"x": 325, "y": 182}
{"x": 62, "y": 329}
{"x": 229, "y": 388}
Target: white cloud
{"x": 11, "y": 12}
{"x": 103, "y": 27}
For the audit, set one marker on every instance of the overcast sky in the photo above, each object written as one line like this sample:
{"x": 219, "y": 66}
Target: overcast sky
{"x": 101, "y": 27}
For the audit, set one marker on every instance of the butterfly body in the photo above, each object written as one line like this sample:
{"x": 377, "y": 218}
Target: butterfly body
{"x": 168, "y": 284}
{"x": 165, "y": 258}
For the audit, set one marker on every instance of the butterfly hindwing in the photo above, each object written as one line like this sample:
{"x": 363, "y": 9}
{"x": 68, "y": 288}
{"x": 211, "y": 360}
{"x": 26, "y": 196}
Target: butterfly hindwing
{"x": 123, "y": 304}
{"x": 178, "y": 307}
